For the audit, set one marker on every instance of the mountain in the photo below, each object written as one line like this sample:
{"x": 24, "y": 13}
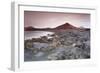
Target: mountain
{"x": 66, "y": 26}
{"x": 30, "y": 28}
{"x": 61, "y": 27}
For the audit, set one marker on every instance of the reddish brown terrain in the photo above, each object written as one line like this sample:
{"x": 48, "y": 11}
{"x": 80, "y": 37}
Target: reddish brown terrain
{"x": 64, "y": 26}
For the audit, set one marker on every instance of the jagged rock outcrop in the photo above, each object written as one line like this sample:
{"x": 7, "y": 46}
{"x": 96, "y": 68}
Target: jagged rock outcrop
{"x": 71, "y": 44}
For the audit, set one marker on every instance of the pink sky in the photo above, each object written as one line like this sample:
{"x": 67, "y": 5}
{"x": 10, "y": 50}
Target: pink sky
{"x": 53, "y": 19}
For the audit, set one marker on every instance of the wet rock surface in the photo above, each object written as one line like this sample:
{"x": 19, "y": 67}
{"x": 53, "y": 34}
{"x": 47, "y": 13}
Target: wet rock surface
{"x": 64, "y": 45}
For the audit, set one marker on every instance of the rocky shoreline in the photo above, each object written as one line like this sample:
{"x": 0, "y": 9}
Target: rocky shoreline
{"x": 62, "y": 45}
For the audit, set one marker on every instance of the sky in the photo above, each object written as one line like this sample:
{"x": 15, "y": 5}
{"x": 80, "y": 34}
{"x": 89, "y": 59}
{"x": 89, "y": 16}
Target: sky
{"x": 40, "y": 19}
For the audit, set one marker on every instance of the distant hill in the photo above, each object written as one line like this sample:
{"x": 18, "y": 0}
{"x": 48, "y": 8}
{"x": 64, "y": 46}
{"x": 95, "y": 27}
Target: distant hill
{"x": 30, "y": 28}
{"x": 66, "y": 26}
{"x": 61, "y": 27}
